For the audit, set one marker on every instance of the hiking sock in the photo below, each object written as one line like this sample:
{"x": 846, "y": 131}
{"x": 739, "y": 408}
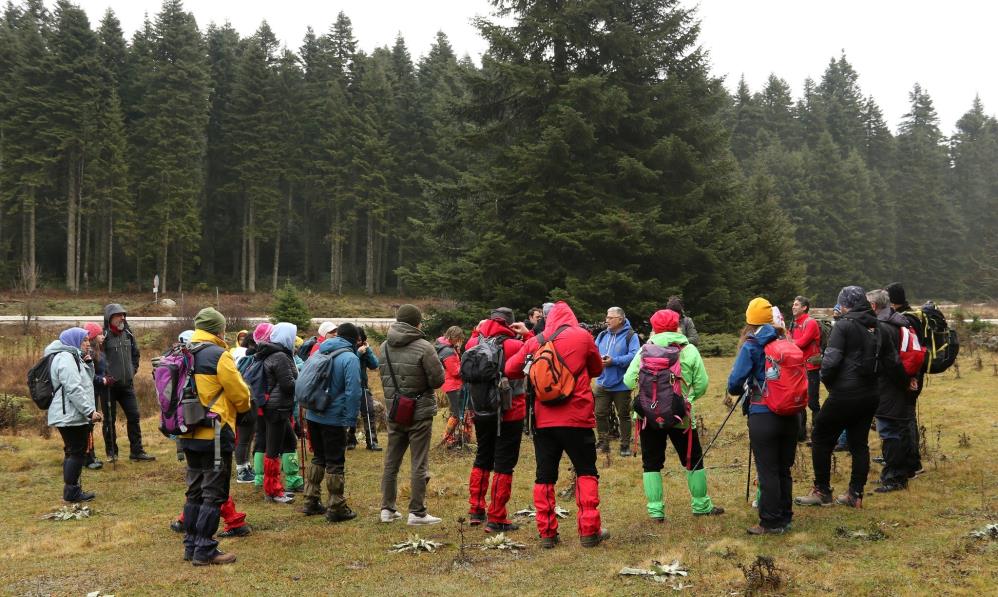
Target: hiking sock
{"x": 653, "y": 493}
{"x": 697, "y": 482}
{"x": 292, "y": 471}
{"x": 258, "y": 469}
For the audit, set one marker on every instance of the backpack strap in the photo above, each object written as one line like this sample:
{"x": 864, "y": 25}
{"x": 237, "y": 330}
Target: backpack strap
{"x": 554, "y": 335}
{"x": 391, "y": 371}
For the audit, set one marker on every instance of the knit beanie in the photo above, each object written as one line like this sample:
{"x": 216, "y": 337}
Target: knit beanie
{"x": 348, "y": 332}
{"x": 851, "y": 297}
{"x": 409, "y": 314}
{"x": 93, "y": 330}
{"x": 73, "y": 337}
{"x": 325, "y": 327}
{"x": 664, "y": 320}
{"x": 503, "y": 313}
{"x": 262, "y": 332}
{"x": 895, "y": 294}
{"x": 759, "y": 312}
{"x": 211, "y": 321}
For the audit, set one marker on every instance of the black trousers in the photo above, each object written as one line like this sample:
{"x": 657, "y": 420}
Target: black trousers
{"x": 854, "y": 415}
{"x": 498, "y": 448}
{"x": 813, "y": 385}
{"x": 895, "y": 434}
{"x": 654, "y": 443}
{"x": 774, "y": 446}
{"x": 274, "y": 435}
{"x": 329, "y": 447}
{"x": 123, "y": 395}
{"x": 207, "y": 490}
{"x": 549, "y": 444}
{"x": 244, "y": 436}
{"x": 74, "y": 447}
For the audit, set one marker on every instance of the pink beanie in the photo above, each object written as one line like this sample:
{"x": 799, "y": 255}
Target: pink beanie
{"x": 262, "y": 333}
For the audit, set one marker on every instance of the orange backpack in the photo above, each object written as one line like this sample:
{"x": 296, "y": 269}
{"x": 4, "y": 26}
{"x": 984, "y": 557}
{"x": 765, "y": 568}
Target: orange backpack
{"x": 551, "y": 379}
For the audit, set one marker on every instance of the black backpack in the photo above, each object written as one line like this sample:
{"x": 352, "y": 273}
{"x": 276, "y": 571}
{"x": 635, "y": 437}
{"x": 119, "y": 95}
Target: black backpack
{"x": 40, "y": 382}
{"x": 940, "y": 341}
{"x": 482, "y": 373}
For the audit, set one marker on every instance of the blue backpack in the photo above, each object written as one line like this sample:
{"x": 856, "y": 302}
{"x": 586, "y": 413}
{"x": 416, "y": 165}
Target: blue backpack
{"x": 312, "y": 385}
{"x": 256, "y": 378}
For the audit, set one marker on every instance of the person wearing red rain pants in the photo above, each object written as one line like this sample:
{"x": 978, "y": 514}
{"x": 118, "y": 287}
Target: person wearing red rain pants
{"x": 566, "y": 427}
{"x": 498, "y": 446}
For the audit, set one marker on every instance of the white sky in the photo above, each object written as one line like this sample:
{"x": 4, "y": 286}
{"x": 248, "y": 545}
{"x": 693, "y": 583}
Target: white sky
{"x": 891, "y": 43}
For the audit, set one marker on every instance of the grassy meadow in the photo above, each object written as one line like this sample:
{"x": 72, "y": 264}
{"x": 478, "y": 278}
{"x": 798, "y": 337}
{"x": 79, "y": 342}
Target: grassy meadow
{"x": 127, "y": 547}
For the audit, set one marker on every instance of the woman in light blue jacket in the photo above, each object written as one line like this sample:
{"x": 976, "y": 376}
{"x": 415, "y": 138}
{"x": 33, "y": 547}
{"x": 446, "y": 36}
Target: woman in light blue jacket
{"x": 72, "y": 409}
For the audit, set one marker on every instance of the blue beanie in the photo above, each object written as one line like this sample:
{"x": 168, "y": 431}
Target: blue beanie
{"x": 73, "y": 337}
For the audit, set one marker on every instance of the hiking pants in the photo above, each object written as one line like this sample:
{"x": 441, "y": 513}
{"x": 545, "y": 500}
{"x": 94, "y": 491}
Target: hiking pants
{"x": 74, "y": 446}
{"x": 274, "y": 435}
{"x": 498, "y": 448}
{"x": 622, "y": 405}
{"x": 244, "y": 436}
{"x": 207, "y": 490}
{"x": 416, "y": 437}
{"x": 774, "y": 446}
{"x": 549, "y": 444}
{"x": 813, "y": 386}
{"x": 125, "y": 396}
{"x": 329, "y": 447}
{"x": 896, "y": 437}
{"x": 653, "y": 446}
{"x": 854, "y": 415}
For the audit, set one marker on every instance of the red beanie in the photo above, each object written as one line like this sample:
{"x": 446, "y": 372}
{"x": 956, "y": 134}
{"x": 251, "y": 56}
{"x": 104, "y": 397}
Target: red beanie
{"x": 665, "y": 320}
{"x": 93, "y": 330}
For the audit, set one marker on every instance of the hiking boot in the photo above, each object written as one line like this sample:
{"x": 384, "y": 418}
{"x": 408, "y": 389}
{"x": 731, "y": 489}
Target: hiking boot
{"x": 550, "y": 542}
{"x": 375, "y": 447}
{"x": 218, "y": 559}
{"x": 352, "y": 446}
{"x": 501, "y": 527}
{"x": 476, "y": 518}
{"x": 889, "y": 487}
{"x": 241, "y": 531}
{"x": 245, "y": 475}
{"x": 389, "y": 515}
{"x": 280, "y": 499}
{"x": 143, "y": 456}
{"x": 188, "y": 555}
{"x": 817, "y": 497}
{"x": 420, "y": 520}
{"x": 177, "y": 526}
{"x": 81, "y": 496}
{"x": 849, "y": 499}
{"x": 312, "y": 508}
{"x": 603, "y": 446}
{"x": 95, "y": 465}
{"x": 761, "y": 530}
{"x": 715, "y": 511}
{"x": 625, "y": 452}
{"x": 594, "y": 540}
{"x": 341, "y": 516}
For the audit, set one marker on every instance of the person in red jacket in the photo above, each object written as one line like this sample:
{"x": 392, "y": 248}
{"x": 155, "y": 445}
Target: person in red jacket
{"x": 459, "y": 423}
{"x": 498, "y": 445}
{"x": 566, "y": 427}
{"x": 806, "y": 334}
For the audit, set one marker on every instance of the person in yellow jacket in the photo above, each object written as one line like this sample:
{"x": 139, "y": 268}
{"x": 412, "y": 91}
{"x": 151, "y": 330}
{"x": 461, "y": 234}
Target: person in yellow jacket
{"x": 220, "y": 385}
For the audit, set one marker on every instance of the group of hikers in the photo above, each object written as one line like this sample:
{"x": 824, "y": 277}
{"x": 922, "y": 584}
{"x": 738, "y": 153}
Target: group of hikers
{"x": 545, "y": 377}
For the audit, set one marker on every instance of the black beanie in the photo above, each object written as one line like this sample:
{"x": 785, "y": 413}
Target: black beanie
{"x": 895, "y": 294}
{"x": 503, "y": 313}
{"x": 348, "y": 331}
{"x": 851, "y": 297}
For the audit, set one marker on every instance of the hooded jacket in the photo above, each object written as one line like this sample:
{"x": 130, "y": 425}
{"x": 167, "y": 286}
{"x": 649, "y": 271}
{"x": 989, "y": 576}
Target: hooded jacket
{"x": 120, "y": 349}
{"x": 842, "y": 369}
{"x": 689, "y": 330}
{"x": 620, "y": 346}
{"x": 750, "y": 366}
{"x": 691, "y": 365}
{"x": 895, "y": 400}
{"x": 416, "y": 366}
{"x": 510, "y": 346}
{"x": 578, "y": 350}
{"x": 73, "y": 403}
{"x": 281, "y": 373}
{"x": 344, "y": 389}
{"x": 806, "y": 334}
{"x": 451, "y": 362}
{"x": 214, "y": 372}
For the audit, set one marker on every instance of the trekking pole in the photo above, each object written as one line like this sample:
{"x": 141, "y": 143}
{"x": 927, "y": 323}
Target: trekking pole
{"x": 719, "y": 429}
{"x": 748, "y": 474}
{"x": 367, "y": 416}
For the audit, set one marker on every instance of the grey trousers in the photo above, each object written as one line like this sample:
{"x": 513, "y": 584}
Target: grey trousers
{"x": 622, "y": 402}
{"x": 416, "y": 437}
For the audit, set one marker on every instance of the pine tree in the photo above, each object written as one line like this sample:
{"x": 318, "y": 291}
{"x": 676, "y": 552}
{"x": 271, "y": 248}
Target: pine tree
{"x": 288, "y": 306}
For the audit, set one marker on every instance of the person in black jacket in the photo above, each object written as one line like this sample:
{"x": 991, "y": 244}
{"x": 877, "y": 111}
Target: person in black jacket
{"x": 280, "y": 373}
{"x": 121, "y": 353}
{"x": 859, "y": 350}
{"x": 899, "y": 302}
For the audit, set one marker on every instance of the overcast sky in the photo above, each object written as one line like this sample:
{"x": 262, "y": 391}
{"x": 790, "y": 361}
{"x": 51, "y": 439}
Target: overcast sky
{"x": 891, "y": 43}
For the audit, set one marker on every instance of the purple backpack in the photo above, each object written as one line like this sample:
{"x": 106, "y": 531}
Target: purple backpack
{"x": 660, "y": 399}
{"x": 172, "y": 376}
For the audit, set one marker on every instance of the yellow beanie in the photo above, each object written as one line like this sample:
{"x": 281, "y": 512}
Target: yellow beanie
{"x": 759, "y": 312}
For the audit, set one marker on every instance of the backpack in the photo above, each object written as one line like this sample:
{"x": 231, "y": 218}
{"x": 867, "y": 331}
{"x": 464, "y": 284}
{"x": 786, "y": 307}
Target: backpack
{"x": 911, "y": 351}
{"x": 940, "y": 341}
{"x": 306, "y": 348}
{"x": 550, "y": 377}
{"x": 40, "y": 382}
{"x": 660, "y": 400}
{"x": 173, "y": 378}
{"x": 825, "y": 329}
{"x": 482, "y": 373}
{"x": 255, "y": 377}
{"x": 312, "y": 385}
{"x": 784, "y": 391}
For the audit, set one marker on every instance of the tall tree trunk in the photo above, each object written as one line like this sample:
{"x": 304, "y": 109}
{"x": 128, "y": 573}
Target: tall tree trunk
{"x": 351, "y": 266}
{"x": 87, "y": 252}
{"x": 277, "y": 241}
{"x": 307, "y": 238}
{"x": 110, "y": 254}
{"x": 251, "y": 256}
{"x": 245, "y": 249}
{"x": 335, "y": 255}
{"x": 79, "y": 223}
{"x": 28, "y": 265}
{"x": 166, "y": 260}
{"x": 383, "y": 253}
{"x": 370, "y": 256}
{"x": 71, "y": 222}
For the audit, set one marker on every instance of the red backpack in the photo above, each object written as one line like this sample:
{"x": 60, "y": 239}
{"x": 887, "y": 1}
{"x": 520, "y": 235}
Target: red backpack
{"x": 785, "y": 389}
{"x": 911, "y": 351}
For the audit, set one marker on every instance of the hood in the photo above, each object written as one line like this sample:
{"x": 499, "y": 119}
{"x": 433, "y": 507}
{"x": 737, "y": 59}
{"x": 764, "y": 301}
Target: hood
{"x": 560, "y": 314}
{"x": 57, "y": 346}
{"x": 665, "y": 320}
{"x": 402, "y": 334}
{"x": 667, "y": 338}
{"x": 203, "y": 336}
{"x": 494, "y": 327}
{"x": 862, "y": 315}
{"x": 765, "y": 334}
{"x": 284, "y": 335}
{"x": 892, "y": 317}
{"x": 268, "y": 348}
{"x": 337, "y": 343}
{"x": 443, "y": 341}
{"x": 114, "y": 309}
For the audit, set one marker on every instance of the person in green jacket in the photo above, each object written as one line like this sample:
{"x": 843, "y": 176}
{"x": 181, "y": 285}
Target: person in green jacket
{"x": 684, "y": 437}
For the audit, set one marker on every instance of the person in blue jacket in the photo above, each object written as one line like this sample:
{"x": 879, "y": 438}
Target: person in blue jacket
{"x": 327, "y": 429}
{"x": 773, "y": 438}
{"x": 617, "y": 345}
{"x": 368, "y": 422}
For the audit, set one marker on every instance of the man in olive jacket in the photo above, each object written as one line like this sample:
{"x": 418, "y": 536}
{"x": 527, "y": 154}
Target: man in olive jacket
{"x": 410, "y": 367}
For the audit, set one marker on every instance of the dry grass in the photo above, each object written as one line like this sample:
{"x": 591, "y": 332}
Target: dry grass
{"x": 127, "y": 547}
